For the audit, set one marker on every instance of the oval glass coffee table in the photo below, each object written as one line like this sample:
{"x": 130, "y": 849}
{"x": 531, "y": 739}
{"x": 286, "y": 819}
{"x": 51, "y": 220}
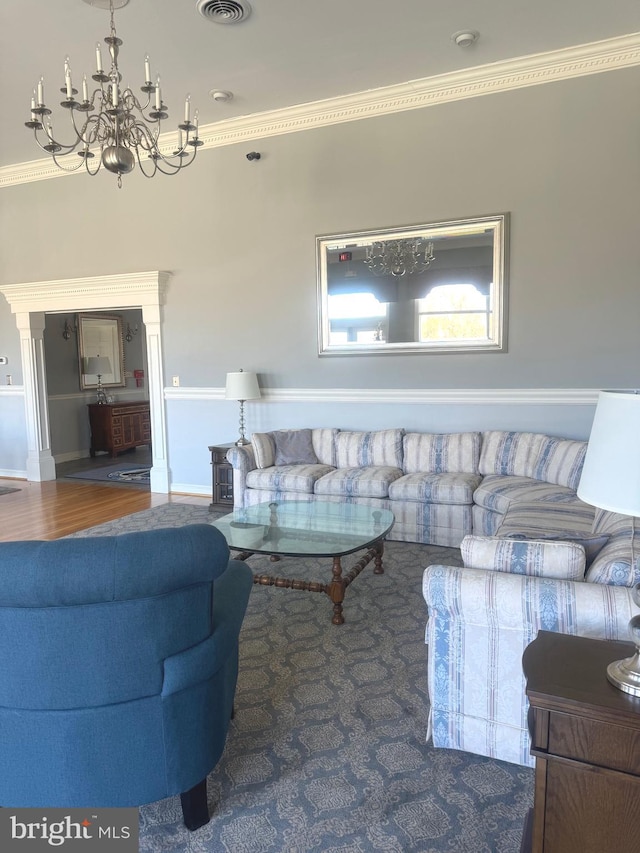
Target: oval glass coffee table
{"x": 310, "y": 529}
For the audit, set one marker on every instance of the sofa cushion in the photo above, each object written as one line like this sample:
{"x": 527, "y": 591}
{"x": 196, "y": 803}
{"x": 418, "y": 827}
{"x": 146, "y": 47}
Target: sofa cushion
{"x": 324, "y": 445}
{"x": 618, "y": 563}
{"x": 435, "y": 488}
{"x": 369, "y": 482}
{"x": 527, "y": 454}
{"x": 294, "y": 447}
{"x": 559, "y": 560}
{"x": 264, "y": 449}
{"x": 498, "y": 493}
{"x": 287, "y": 478}
{"x": 539, "y": 519}
{"x": 365, "y": 449}
{"x": 449, "y": 453}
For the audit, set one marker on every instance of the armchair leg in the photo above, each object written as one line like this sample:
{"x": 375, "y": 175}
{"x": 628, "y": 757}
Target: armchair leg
{"x": 194, "y": 806}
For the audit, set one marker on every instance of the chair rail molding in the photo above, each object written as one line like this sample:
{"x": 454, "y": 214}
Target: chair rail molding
{"x": 417, "y": 396}
{"x": 532, "y": 70}
{"x": 29, "y": 301}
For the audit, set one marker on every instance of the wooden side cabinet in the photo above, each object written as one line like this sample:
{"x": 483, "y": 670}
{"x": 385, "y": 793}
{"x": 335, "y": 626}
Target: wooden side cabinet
{"x": 119, "y": 426}
{"x": 221, "y": 477}
{"x": 585, "y": 737}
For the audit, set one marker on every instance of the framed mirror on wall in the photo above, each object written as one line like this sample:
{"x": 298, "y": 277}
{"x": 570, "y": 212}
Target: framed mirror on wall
{"x": 434, "y": 288}
{"x": 100, "y": 335}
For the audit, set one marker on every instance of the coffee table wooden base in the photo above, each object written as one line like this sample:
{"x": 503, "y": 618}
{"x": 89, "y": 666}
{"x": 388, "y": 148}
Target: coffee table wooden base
{"x": 336, "y": 588}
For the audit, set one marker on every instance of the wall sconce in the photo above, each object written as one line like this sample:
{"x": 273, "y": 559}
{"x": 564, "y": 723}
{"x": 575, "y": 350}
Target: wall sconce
{"x": 130, "y": 333}
{"x": 67, "y": 329}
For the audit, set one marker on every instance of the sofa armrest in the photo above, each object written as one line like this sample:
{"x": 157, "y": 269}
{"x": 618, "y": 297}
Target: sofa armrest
{"x": 243, "y": 460}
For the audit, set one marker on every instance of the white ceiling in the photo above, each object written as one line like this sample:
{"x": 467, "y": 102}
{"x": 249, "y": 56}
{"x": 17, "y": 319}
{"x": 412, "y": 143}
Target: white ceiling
{"x": 287, "y": 52}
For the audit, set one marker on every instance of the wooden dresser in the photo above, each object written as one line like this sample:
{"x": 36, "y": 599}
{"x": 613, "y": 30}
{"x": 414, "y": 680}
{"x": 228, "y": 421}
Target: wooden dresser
{"x": 586, "y": 739}
{"x": 119, "y": 426}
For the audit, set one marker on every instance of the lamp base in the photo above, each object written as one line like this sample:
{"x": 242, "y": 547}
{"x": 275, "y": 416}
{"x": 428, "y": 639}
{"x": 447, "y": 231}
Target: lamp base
{"x": 625, "y": 674}
{"x": 242, "y": 441}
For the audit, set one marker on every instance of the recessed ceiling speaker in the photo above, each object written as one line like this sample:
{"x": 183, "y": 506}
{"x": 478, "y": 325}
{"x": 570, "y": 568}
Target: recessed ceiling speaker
{"x": 224, "y": 11}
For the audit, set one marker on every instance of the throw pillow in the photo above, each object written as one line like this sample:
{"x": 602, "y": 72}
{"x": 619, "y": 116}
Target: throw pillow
{"x": 592, "y": 544}
{"x": 559, "y": 560}
{"x": 294, "y": 447}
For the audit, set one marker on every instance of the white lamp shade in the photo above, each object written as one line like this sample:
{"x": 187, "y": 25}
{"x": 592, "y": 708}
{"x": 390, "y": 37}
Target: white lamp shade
{"x": 97, "y": 365}
{"x": 242, "y": 385}
{"x": 611, "y": 472}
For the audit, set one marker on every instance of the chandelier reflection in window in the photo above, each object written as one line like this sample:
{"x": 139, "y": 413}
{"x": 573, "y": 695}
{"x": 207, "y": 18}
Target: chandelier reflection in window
{"x": 399, "y": 257}
{"x": 112, "y": 119}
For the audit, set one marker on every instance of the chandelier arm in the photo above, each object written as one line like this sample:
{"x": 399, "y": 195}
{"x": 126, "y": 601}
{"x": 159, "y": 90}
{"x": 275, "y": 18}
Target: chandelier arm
{"x": 64, "y": 167}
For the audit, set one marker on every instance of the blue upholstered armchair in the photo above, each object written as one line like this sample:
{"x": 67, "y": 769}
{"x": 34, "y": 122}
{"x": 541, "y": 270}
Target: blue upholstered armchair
{"x": 118, "y": 667}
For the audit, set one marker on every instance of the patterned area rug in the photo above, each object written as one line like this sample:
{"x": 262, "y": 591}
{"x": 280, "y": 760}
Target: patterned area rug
{"x": 5, "y": 490}
{"x": 327, "y": 748}
{"x": 122, "y": 473}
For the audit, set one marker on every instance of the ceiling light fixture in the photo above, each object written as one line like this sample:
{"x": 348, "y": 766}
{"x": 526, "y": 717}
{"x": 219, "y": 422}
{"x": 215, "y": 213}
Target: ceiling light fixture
{"x": 465, "y": 38}
{"x": 399, "y": 257}
{"x": 220, "y": 96}
{"x": 112, "y": 119}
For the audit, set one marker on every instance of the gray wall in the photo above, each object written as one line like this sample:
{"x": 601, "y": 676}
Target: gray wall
{"x": 562, "y": 158}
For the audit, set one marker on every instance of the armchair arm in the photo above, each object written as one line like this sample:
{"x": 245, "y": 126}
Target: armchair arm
{"x": 480, "y": 623}
{"x": 243, "y": 460}
{"x": 201, "y": 662}
{"x": 529, "y": 604}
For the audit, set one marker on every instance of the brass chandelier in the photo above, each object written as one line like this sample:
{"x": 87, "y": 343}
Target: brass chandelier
{"x": 112, "y": 121}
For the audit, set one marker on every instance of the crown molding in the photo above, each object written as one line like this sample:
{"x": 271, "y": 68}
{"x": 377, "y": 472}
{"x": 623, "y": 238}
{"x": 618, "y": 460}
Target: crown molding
{"x": 76, "y": 293}
{"x": 532, "y": 70}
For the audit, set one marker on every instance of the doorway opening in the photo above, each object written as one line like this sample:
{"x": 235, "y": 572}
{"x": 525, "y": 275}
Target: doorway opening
{"x": 31, "y": 301}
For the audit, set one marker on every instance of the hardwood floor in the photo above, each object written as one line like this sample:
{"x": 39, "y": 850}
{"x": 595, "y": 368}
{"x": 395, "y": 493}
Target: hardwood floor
{"x": 54, "y": 509}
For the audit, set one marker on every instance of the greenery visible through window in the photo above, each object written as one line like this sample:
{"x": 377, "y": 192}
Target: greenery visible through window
{"x": 454, "y": 312}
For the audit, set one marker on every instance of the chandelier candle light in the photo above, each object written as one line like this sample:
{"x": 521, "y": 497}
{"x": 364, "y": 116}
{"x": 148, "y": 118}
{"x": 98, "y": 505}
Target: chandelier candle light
{"x": 112, "y": 119}
{"x": 242, "y": 386}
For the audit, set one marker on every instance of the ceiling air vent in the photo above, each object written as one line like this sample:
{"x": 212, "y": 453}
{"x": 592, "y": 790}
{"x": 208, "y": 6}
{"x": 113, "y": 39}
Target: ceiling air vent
{"x": 224, "y": 11}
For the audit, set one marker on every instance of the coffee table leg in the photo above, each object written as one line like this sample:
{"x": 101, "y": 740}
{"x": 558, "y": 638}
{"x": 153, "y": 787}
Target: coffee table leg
{"x": 336, "y": 592}
{"x": 377, "y": 560}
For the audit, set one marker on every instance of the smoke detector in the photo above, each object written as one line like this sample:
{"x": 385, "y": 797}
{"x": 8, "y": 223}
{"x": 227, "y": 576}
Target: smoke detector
{"x": 224, "y": 11}
{"x": 465, "y": 38}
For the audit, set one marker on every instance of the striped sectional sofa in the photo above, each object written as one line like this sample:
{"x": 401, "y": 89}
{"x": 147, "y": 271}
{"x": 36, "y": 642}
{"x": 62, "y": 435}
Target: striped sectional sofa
{"x": 440, "y": 487}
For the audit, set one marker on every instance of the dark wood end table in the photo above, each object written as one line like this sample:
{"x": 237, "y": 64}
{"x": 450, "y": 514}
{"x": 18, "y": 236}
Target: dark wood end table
{"x": 585, "y": 736}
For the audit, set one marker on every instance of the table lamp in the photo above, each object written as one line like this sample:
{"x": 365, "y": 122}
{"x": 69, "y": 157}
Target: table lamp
{"x": 611, "y": 480}
{"x": 241, "y": 386}
{"x": 98, "y": 365}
